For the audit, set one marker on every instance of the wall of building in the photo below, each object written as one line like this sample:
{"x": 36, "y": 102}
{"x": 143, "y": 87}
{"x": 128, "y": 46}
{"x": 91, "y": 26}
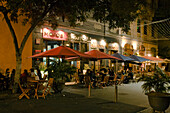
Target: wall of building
{"x": 7, "y": 49}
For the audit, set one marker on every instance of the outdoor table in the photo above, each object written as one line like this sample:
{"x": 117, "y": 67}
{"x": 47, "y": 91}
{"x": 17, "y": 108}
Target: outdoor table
{"x": 35, "y": 85}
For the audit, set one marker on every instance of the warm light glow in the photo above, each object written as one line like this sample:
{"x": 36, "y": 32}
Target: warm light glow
{"x": 134, "y": 43}
{"x": 46, "y": 30}
{"x": 67, "y": 44}
{"x": 124, "y": 41}
{"x": 103, "y": 42}
{"x": 73, "y": 36}
{"x": 93, "y": 43}
{"x": 157, "y": 56}
{"x": 137, "y": 53}
{"x": 84, "y": 37}
{"x": 115, "y": 45}
{"x": 41, "y": 30}
{"x": 60, "y": 32}
{"x": 149, "y": 54}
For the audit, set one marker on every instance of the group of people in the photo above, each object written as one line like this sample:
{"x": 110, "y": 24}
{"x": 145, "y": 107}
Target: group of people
{"x": 7, "y": 79}
{"x": 90, "y": 76}
{"x": 36, "y": 74}
{"x": 128, "y": 75}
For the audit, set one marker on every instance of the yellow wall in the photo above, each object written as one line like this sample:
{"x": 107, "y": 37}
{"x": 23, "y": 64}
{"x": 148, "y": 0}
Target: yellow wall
{"x": 7, "y": 49}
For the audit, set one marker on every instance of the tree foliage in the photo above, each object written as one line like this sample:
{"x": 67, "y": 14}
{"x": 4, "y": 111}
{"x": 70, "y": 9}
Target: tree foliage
{"x": 118, "y": 13}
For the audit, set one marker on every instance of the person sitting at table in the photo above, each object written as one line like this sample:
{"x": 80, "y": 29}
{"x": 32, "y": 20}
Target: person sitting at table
{"x": 32, "y": 74}
{"x": 2, "y": 77}
{"x": 23, "y": 78}
{"x": 103, "y": 72}
{"x": 37, "y": 77}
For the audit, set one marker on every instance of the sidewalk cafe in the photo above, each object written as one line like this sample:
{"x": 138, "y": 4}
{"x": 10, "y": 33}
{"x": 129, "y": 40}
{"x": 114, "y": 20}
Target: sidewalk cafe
{"x": 124, "y": 70}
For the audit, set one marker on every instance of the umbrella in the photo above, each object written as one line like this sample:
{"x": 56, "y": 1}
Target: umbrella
{"x": 138, "y": 58}
{"x": 62, "y": 52}
{"x": 122, "y": 57}
{"x": 153, "y": 59}
{"x": 100, "y": 55}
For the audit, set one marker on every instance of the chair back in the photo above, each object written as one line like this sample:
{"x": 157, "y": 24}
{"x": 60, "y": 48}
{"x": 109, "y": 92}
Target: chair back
{"x": 20, "y": 86}
{"x": 122, "y": 77}
{"x": 106, "y": 79}
{"x": 50, "y": 81}
{"x": 115, "y": 78}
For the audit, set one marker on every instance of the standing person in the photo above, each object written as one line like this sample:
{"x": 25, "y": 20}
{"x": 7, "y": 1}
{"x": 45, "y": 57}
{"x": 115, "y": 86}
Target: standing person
{"x": 87, "y": 78}
{"x": 39, "y": 74}
{"x": 12, "y": 78}
{"x": 7, "y": 73}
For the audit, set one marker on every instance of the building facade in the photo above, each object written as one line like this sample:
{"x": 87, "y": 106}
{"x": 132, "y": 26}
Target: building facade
{"x": 90, "y": 35}
{"x": 84, "y": 37}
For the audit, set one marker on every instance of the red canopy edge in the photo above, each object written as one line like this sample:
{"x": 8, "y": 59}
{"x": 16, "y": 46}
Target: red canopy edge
{"x": 152, "y": 58}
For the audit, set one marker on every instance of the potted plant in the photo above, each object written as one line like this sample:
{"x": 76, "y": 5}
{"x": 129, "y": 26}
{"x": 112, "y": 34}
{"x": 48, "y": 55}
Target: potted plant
{"x": 156, "y": 87}
{"x": 42, "y": 67}
{"x": 60, "y": 71}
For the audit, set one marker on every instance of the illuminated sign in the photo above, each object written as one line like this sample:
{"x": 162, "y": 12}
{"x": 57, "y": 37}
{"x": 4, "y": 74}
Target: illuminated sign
{"x": 53, "y": 34}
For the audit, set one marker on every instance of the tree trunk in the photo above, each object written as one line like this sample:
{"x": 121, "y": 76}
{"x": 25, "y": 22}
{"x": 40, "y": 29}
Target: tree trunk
{"x": 18, "y": 72}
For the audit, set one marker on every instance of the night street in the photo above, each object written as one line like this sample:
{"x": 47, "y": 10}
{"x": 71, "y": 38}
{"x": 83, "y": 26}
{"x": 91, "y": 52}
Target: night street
{"x": 127, "y": 93}
{"x": 84, "y": 56}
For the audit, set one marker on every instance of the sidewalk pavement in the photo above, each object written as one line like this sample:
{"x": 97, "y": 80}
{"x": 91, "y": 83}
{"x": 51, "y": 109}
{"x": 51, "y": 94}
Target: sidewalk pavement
{"x": 63, "y": 103}
{"x": 145, "y": 110}
{"x": 66, "y": 102}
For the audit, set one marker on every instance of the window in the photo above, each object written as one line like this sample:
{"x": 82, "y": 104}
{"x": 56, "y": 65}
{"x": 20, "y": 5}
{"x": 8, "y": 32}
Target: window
{"x": 145, "y": 28}
{"x": 138, "y": 25}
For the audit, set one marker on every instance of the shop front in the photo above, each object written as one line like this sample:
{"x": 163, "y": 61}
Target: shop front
{"x": 48, "y": 39}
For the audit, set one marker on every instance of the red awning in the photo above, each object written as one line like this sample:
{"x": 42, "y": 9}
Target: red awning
{"x": 62, "y": 52}
{"x": 100, "y": 55}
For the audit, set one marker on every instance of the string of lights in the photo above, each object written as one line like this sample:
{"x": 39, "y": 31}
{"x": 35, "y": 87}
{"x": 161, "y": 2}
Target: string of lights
{"x": 162, "y": 28}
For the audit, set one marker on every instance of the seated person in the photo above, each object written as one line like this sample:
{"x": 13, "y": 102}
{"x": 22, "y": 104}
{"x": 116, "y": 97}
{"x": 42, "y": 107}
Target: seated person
{"x": 32, "y": 74}
{"x": 2, "y": 77}
{"x": 81, "y": 76}
{"x": 103, "y": 72}
{"x": 23, "y": 78}
{"x": 130, "y": 75}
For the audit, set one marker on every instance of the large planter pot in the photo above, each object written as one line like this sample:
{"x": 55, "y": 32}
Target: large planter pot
{"x": 159, "y": 101}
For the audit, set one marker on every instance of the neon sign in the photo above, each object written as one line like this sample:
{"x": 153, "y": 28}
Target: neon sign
{"x": 53, "y": 34}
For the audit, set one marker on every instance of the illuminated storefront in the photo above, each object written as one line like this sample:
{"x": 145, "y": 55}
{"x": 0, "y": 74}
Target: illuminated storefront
{"x": 48, "y": 39}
